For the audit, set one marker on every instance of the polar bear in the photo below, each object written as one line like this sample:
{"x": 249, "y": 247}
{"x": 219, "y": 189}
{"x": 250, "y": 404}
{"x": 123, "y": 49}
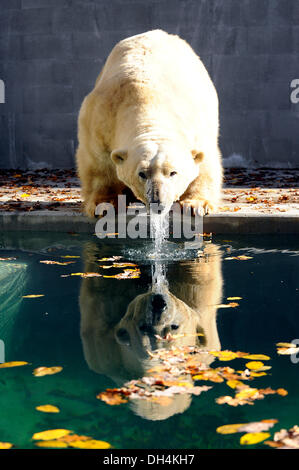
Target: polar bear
{"x": 149, "y": 128}
{"x": 119, "y": 331}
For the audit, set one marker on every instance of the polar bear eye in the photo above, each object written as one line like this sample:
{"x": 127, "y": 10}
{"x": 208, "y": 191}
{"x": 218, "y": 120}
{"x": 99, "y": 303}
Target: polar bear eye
{"x": 173, "y": 173}
{"x": 142, "y": 175}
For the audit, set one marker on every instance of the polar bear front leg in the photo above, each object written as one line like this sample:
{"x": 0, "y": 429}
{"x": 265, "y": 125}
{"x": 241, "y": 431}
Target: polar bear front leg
{"x": 203, "y": 194}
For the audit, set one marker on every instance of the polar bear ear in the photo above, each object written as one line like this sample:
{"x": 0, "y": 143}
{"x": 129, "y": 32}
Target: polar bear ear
{"x": 197, "y": 156}
{"x": 119, "y": 156}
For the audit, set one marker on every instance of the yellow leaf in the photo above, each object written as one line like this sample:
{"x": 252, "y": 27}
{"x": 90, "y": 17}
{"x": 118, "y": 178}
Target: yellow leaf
{"x": 90, "y": 444}
{"x": 233, "y": 298}
{"x": 41, "y": 371}
{"x": 254, "y": 438}
{"x": 234, "y": 383}
{"x": 286, "y": 345}
{"x": 70, "y": 256}
{"x": 33, "y": 296}
{"x": 25, "y": 195}
{"x": 50, "y": 434}
{"x": 5, "y": 445}
{"x": 257, "y": 357}
{"x": 254, "y": 365}
{"x": 257, "y": 374}
{"x": 228, "y": 428}
{"x": 52, "y": 443}
{"x": 47, "y": 409}
{"x": 224, "y": 355}
{"x": 246, "y": 393}
{"x": 13, "y": 364}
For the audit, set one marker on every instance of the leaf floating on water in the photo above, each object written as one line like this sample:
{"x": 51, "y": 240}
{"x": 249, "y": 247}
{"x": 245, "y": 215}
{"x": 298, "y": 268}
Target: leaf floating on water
{"x": 13, "y": 364}
{"x": 5, "y": 445}
{"x": 254, "y": 438}
{"x": 7, "y": 259}
{"x": 257, "y": 357}
{"x": 233, "y": 298}
{"x": 50, "y": 434}
{"x": 228, "y": 428}
{"x": 52, "y": 443}
{"x": 65, "y": 263}
{"x": 247, "y": 395}
{"x": 33, "y": 296}
{"x": 112, "y": 258}
{"x": 287, "y": 348}
{"x": 90, "y": 444}
{"x": 254, "y": 427}
{"x": 241, "y": 257}
{"x": 118, "y": 265}
{"x": 48, "y": 408}
{"x": 70, "y": 256}
{"x": 231, "y": 304}
{"x": 286, "y": 439}
{"x": 127, "y": 274}
{"x": 257, "y": 366}
{"x": 84, "y": 275}
{"x": 226, "y": 355}
{"x": 41, "y": 371}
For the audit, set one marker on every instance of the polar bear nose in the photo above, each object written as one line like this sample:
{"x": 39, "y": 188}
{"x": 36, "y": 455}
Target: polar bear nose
{"x": 158, "y": 305}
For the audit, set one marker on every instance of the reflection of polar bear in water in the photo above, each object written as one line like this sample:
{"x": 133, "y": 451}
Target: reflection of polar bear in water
{"x": 119, "y": 327}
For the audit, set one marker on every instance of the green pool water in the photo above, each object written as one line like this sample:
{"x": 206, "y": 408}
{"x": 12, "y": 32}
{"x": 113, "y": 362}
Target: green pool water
{"x": 73, "y": 326}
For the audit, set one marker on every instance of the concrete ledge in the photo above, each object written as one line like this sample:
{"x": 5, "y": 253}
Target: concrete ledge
{"x": 49, "y": 221}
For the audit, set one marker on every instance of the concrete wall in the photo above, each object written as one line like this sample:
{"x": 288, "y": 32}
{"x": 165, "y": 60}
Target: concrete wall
{"x": 51, "y": 51}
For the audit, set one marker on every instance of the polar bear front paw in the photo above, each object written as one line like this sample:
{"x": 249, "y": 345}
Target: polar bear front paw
{"x": 198, "y": 206}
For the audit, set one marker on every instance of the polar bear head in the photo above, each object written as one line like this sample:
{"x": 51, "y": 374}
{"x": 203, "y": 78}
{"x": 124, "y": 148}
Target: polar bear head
{"x": 157, "y": 173}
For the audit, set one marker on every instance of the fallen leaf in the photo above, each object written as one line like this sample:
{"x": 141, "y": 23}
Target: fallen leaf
{"x": 57, "y": 262}
{"x": 228, "y": 428}
{"x": 233, "y": 298}
{"x": 52, "y": 443}
{"x": 257, "y": 357}
{"x": 41, "y": 371}
{"x": 13, "y": 364}
{"x": 5, "y": 445}
{"x": 254, "y": 438}
{"x": 33, "y": 296}
{"x": 47, "y": 409}
{"x": 50, "y": 434}
{"x": 90, "y": 444}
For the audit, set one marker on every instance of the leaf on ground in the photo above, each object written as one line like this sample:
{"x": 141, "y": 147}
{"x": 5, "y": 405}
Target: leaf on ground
{"x": 254, "y": 438}
{"x": 3, "y": 365}
{"x": 41, "y": 371}
{"x": 50, "y": 434}
{"x": 33, "y": 296}
{"x": 48, "y": 408}
{"x": 5, "y": 445}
